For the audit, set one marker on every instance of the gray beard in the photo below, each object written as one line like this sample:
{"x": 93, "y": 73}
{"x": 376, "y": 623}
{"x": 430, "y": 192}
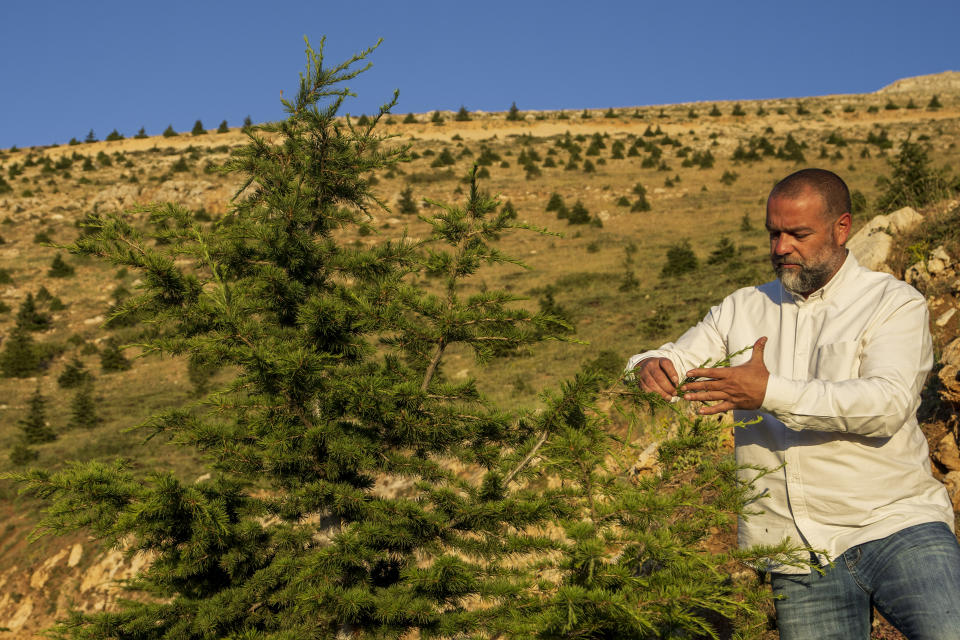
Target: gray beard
{"x": 807, "y": 280}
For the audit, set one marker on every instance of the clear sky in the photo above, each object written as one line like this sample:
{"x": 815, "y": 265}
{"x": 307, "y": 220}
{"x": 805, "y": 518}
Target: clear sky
{"x": 67, "y": 67}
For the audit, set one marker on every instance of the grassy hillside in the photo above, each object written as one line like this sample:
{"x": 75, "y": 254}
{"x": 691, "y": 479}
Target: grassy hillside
{"x": 705, "y": 177}
{"x": 704, "y": 170}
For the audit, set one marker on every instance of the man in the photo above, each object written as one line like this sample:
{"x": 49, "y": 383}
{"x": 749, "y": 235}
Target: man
{"x": 840, "y": 354}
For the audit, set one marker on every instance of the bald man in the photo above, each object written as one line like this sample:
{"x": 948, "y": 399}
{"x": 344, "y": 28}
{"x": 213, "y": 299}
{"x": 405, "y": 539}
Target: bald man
{"x": 840, "y": 355}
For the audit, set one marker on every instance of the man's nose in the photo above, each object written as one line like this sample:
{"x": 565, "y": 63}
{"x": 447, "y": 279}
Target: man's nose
{"x": 782, "y": 246}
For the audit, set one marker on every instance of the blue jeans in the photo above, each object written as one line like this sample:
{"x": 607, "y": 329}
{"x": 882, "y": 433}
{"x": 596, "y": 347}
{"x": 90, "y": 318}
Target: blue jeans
{"x": 912, "y": 577}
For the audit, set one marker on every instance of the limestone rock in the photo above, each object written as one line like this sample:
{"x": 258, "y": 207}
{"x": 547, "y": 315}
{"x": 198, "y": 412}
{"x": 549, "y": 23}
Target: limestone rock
{"x": 946, "y": 317}
{"x": 917, "y": 274}
{"x": 950, "y": 372}
{"x": 116, "y": 197}
{"x": 952, "y": 482}
{"x": 938, "y": 261}
{"x": 947, "y": 453}
{"x": 871, "y": 245}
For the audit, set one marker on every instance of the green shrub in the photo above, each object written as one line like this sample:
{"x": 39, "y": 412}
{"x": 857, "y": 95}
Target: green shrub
{"x": 891, "y": 105}
{"x": 91, "y": 137}
{"x": 141, "y": 134}
{"x": 858, "y": 202}
{"x": 578, "y": 214}
{"x": 724, "y": 252}
{"x": 934, "y": 103}
{"x": 198, "y": 129}
{"x": 21, "y": 454}
{"x": 680, "y": 260}
{"x": 59, "y": 268}
{"x": 913, "y": 182}
{"x": 410, "y": 119}
{"x": 83, "y": 409}
{"x": 729, "y": 177}
{"x": 20, "y": 357}
{"x": 555, "y": 203}
{"x": 112, "y": 358}
{"x": 29, "y": 317}
{"x": 715, "y": 111}
{"x": 738, "y": 110}
{"x": 114, "y": 135}
{"x": 169, "y": 132}
{"x": 444, "y": 159}
{"x": 74, "y": 374}
{"x": 514, "y": 113}
{"x": 406, "y": 204}
{"x": 462, "y": 115}
{"x": 223, "y": 128}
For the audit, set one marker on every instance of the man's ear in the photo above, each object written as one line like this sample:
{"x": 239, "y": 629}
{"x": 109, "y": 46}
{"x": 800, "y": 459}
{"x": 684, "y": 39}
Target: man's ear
{"x": 841, "y": 228}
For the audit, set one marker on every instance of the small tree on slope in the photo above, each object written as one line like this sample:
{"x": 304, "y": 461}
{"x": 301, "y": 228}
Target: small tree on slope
{"x": 334, "y": 507}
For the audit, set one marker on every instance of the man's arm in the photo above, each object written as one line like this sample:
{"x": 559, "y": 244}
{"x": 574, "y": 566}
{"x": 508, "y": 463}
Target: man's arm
{"x": 896, "y": 357}
{"x": 742, "y": 387}
{"x": 657, "y": 371}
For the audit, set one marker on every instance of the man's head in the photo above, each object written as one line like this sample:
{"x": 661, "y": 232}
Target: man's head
{"x": 808, "y": 218}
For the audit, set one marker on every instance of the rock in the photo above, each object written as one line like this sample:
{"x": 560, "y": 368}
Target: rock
{"x": 917, "y": 274}
{"x": 945, "y": 318}
{"x": 952, "y": 482}
{"x": 938, "y": 262}
{"x": 950, "y": 372}
{"x": 871, "y": 245}
{"x": 76, "y": 553}
{"x": 116, "y": 198}
{"x": 947, "y": 453}
{"x": 42, "y": 574}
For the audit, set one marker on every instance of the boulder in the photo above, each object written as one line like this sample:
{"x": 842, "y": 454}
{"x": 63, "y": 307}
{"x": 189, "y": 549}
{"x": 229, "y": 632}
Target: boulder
{"x": 949, "y": 373}
{"x": 871, "y": 245}
{"x": 947, "y": 453}
{"x": 939, "y": 261}
{"x": 116, "y": 197}
{"x": 917, "y": 274}
{"x": 952, "y": 482}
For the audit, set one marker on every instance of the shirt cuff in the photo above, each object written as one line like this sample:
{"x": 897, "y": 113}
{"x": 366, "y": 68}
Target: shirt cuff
{"x": 781, "y": 395}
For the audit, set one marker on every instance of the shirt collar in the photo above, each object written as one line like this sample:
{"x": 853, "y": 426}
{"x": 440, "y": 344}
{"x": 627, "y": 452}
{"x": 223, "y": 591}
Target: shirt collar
{"x": 834, "y": 284}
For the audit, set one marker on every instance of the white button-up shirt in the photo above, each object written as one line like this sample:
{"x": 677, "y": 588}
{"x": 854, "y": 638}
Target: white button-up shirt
{"x": 838, "y": 422}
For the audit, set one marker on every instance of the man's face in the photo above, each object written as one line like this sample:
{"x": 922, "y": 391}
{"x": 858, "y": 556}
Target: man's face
{"x": 806, "y": 248}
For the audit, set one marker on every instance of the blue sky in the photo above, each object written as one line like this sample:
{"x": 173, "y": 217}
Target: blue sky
{"x": 68, "y": 67}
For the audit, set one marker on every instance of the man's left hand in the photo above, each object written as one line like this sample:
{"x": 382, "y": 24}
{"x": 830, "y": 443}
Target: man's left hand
{"x": 741, "y": 387}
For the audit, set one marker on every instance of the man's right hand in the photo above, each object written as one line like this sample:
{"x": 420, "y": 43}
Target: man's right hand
{"x": 658, "y": 375}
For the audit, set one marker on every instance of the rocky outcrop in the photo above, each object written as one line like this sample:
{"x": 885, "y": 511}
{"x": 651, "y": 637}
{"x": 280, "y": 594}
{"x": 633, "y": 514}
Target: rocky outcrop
{"x": 871, "y": 245}
{"x": 32, "y": 598}
{"x": 944, "y": 82}
{"x": 118, "y": 197}
{"x": 189, "y": 193}
{"x": 949, "y": 374}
